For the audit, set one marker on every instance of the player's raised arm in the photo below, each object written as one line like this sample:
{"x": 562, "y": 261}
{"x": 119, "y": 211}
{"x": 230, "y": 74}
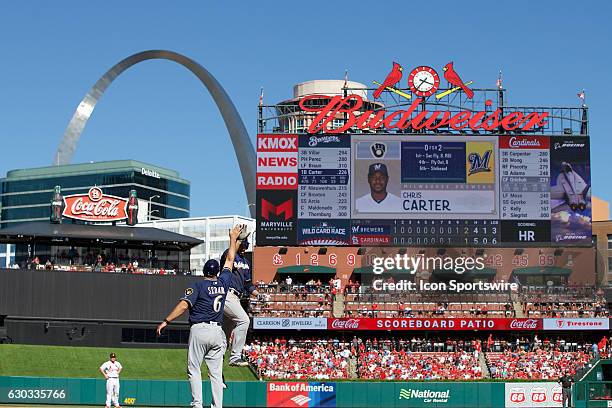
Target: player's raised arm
{"x": 231, "y": 253}
{"x": 181, "y": 307}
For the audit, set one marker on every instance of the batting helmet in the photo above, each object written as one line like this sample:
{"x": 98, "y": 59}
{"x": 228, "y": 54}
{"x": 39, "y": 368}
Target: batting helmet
{"x": 211, "y": 268}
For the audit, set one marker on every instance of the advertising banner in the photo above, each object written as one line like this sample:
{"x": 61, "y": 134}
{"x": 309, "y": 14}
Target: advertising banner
{"x": 434, "y": 324}
{"x": 276, "y": 217}
{"x": 577, "y": 324}
{"x": 95, "y": 206}
{"x": 570, "y": 191}
{"x": 277, "y": 162}
{"x": 301, "y": 394}
{"x": 332, "y": 232}
{"x": 290, "y": 323}
{"x": 533, "y": 395}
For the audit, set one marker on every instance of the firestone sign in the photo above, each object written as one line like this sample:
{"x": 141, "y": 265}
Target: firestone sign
{"x": 95, "y": 206}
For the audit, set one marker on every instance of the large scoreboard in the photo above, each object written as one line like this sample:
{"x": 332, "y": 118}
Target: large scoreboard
{"x": 422, "y": 190}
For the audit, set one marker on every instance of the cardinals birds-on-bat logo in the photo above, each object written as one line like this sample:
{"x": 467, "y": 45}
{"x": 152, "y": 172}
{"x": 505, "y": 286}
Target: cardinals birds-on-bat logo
{"x": 453, "y": 78}
{"x": 424, "y": 83}
{"x": 393, "y": 78}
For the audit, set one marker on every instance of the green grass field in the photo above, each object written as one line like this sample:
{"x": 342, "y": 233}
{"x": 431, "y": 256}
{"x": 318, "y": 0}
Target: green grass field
{"x": 83, "y": 362}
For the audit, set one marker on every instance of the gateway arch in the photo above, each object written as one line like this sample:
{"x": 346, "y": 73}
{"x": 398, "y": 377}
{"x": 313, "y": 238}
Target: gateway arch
{"x": 245, "y": 153}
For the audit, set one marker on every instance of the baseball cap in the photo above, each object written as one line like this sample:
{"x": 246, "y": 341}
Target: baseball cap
{"x": 381, "y": 167}
{"x": 244, "y": 234}
{"x": 113, "y": 355}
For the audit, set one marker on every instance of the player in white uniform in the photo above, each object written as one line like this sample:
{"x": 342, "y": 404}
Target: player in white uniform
{"x": 378, "y": 199}
{"x": 111, "y": 370}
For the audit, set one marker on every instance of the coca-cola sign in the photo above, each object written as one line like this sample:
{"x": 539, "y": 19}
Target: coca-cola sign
{"x": 95, "y": 206}
{"x": 524, "y": 324}
{"x": 344, "y": 324}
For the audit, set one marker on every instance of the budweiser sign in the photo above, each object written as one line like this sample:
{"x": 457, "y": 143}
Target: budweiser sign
{"x": 349, "y": 108}
{"x": 95, "y": 206}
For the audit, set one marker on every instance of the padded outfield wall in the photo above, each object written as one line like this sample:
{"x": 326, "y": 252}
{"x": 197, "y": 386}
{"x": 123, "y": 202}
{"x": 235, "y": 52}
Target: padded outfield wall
{"x": 67, "y": 391}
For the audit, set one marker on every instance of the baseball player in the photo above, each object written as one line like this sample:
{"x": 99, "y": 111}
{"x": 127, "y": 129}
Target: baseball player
{"x": 237, "y": 321}
{"x": 110, "y": 370}
{"x": 205, "y": 300}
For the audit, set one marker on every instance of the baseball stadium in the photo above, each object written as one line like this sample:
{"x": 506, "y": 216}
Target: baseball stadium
{"x": 415, "y": 241}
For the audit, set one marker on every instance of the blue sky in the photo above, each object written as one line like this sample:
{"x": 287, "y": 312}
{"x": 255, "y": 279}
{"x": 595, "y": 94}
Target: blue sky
{"x": 158, "y": 112}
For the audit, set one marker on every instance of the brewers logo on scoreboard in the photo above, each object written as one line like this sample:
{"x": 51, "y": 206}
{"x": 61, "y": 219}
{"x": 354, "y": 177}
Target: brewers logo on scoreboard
{"x": 480, "y": 163}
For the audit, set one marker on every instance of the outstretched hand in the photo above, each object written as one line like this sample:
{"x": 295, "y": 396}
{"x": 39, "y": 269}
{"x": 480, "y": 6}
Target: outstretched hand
{"x": 161, "y": 327}
{"x": 235, "y": 232}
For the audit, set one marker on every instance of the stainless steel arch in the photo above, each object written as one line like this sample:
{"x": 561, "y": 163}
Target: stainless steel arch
{"x": 245, "y": 153}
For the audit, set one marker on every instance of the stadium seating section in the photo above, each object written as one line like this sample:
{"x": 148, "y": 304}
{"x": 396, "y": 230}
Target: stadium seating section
{"x": 416, "y": 358}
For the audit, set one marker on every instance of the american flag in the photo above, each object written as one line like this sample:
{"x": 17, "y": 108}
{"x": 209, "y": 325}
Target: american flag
{"x": 499, "y": 80}
{"x": 345, "y": 78}
{"x": 581, "y": 95}
{"x": 261, "y": 97}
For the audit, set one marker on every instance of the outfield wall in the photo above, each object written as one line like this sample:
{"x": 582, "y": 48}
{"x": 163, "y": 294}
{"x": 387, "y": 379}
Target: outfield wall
{"x": 290, "y": 394}
{"x": 88, "y": 295}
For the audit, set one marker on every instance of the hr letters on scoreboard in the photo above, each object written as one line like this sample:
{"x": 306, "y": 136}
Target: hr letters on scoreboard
{"x": 457, "y": 190}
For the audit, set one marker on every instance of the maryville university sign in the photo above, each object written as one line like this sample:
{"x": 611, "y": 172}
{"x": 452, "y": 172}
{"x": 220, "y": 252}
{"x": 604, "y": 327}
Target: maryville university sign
{"x": 423, "y": 82}
{"x": 95, "y": 206}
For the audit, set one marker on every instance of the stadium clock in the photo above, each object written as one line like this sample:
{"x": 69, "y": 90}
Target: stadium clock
{"x": 423, "y": 81}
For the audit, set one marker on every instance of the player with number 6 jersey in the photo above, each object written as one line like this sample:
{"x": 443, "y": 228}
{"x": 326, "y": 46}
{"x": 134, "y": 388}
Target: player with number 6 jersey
{"x": 205, "y": 300}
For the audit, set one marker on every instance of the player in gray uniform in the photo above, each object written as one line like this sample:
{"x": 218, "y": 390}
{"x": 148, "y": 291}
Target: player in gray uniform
{"x": 236, "y": 322}
{"x": 205, "y": 300}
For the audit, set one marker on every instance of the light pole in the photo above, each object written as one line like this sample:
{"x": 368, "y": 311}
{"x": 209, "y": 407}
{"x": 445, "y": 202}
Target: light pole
{"x": 150, "y": 203}
{"x": 248, "y": 214}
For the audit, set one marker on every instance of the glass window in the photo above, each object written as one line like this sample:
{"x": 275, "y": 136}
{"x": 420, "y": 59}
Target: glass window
{"x": 299, "y": 125}
{"x": 220, "y": 228}
{"x": 26, "y": 199}
{"x": 172, "y": 213}
{"x": 610, "y": 264}
{"x": 337, "y": 123}
{"x": 609, "y": 241}
{"x": 197, "y": 230}
{"x": 26, "y": 212}
{"x": 198, "y": 250}
{"x": 218, "y": 246}
{"x": 67, "y": 182}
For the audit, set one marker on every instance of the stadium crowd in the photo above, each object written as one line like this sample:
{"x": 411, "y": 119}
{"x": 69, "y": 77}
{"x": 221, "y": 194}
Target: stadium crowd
{"x": 100, "y": 264}
{"x": 397, "y": 358}
{"x": 317, "y": 359}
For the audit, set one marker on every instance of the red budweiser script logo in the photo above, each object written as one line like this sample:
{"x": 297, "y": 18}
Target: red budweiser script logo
{"x": 349, "y": 108}
{"x": 95, "y": 206}
{"x": 527, "y": 324}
